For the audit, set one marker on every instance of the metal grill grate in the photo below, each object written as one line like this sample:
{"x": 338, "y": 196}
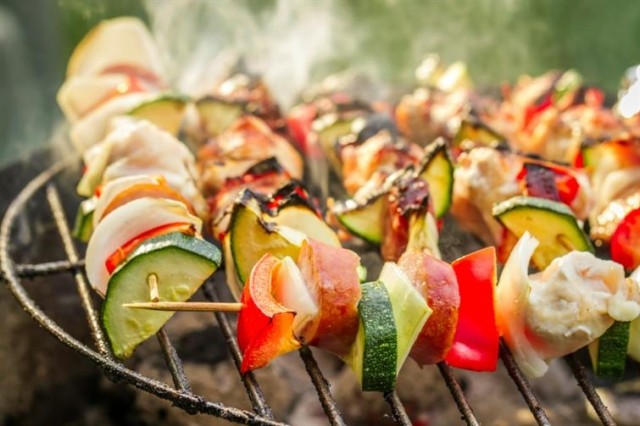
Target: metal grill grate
{"x": 181, "y": 394}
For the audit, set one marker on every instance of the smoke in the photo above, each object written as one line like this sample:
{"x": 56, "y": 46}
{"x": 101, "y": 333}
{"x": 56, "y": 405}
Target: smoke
{"x": 288, "y": 43}
{"x": 293, "y": 43}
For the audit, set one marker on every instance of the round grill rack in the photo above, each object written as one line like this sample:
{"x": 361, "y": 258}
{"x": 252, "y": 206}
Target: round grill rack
{"x": 180, "y": 394}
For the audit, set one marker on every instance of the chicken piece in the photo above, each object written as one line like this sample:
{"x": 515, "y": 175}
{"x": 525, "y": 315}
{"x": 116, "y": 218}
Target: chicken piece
{"x": 375, "y": 159}
{"x": 561, "y": 309}
{"x": 248, "y": 141}
{"x": 483, "y": 177}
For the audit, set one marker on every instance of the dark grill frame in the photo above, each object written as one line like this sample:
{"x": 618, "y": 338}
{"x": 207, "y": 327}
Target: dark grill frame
{"x": 181, "y": 395}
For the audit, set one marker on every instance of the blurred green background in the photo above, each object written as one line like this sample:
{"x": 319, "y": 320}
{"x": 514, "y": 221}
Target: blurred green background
{"x": 386, "y": 39}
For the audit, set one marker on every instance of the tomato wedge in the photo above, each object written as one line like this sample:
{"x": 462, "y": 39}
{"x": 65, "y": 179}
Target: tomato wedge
{"x": 121, "y": 253}
{"x": 476, "y": 342}
{"x": 265, "y": 327}
{"x": 625, "y": 241}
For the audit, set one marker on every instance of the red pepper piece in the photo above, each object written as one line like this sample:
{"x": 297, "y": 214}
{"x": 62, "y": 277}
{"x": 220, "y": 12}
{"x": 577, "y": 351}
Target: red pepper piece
{"x": 265, "y": 327}
{"x": 538, "y": 181}
{"x": 300, "y": 121}
{"x": 476, "y": 342}
{"x": 625, "y": 241}
{"x": 565, "y": 182}
{"x": 127, "y": 248}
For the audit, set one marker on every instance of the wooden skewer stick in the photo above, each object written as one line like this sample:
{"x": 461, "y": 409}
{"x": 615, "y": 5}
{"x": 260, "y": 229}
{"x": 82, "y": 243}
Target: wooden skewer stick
{"x": 186, "y": 306}
{"x": 152, "y": 281}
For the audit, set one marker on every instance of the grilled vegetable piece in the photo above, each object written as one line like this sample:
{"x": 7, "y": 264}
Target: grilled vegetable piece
{"x": 217, "y": 114}
{"x": 476, "y": 343}
{"x": 410, "y": 309}
{"x": 329, "y": 129}
{"x": 302, "y": 218}
{"x": 265, "y": 326}
{"x": 141, "y": 216}
{"x": 437, "y": 170}
{"x": 551, "y": 223}
{"x": 609, "y": 352}
{"x": 472, "y": 133}
{"x": 436, "y": 281}
{"x": 625, "y": 241}
{"x": 539, "y": 181}
{"x": 363, "y": 220}
{"x": 374, "y": 354}
{"x": 544, "y": 179}
{"x": 603, "y": 158}
{"x": 166, "y": 112}
{"x": 251, "y": 237}
{"x": 83, "y": 226}
{"x": 633, "y": 349}
{"x": 126, "y": 328}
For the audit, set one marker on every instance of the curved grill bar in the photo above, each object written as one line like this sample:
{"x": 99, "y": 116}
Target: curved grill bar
{"x": 182, "y": 396}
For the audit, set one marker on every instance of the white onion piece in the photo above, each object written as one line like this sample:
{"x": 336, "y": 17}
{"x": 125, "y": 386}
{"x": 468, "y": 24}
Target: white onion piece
{"x": 124, "y": 224}
{"x": 294, "y": 294}
{"x": 119, "y": 41}
{"x": 93, "y": 127}
{"x": 111, "y": 189}
{"x": 512, "y": 299}
{"x": 139, "y": 147}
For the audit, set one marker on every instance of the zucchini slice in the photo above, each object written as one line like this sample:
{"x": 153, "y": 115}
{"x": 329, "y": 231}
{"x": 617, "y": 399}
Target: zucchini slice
{"x": 180, "y": 263}
{"x": 218, "y": 114}
{"x": 552, "y": 223}
{"x": 83, "y": 226}
{"x": 410, "y": 310}
{"x": 166, "y": 112}
{"x": 363, "y": 220}
{"x": 329, "y": 129}
{"x": 633, "y": 349}
{"x": 473, "y": 132}
{"x": 374, "y": 354}
{"x": 304, "y": 219}
{"x": 437, "y": 170}
{"x": 609, "y": 352}
{"x": 251, "y": 237}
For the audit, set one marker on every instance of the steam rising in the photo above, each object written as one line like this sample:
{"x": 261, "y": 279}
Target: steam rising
{"x": 294, "y": 43}
{"x": 286, "y": 44}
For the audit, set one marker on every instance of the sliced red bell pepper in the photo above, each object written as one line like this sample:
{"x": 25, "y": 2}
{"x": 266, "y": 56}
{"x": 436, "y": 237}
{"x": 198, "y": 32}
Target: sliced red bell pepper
{"x": 625, "y": 241}
{"x": 300, "y": 121}
{"x": 127, "y": 248}
{"x": 566, "y": 183}
{"x": 476, "y": 342}
{"x": 532, "y": 112}
{"x": 265, "y": 327}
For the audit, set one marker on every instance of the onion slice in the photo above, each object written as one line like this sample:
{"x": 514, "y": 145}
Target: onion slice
{"x": 512, "y": 298}
{"x": 125, "y": 223}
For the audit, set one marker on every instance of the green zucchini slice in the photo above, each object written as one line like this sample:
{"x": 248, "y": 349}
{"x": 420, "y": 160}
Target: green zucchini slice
{"x": 609, "y": 352}
{"x": 218, "y": 114}
{"x": 166, "y": 112}
{"x": 83, "y": 226}
{"x": 552, "y": 223}
{"x": 437, "y": 170}
{"x": 374, "y": 354}
{"x": 251, "y": 237}
{"x": 180, "y": 263}
{"x": 363, "y": 220}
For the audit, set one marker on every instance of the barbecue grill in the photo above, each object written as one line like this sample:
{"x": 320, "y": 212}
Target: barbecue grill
{"x": 46, "y": 187}
{"x": 545, "y": 30}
